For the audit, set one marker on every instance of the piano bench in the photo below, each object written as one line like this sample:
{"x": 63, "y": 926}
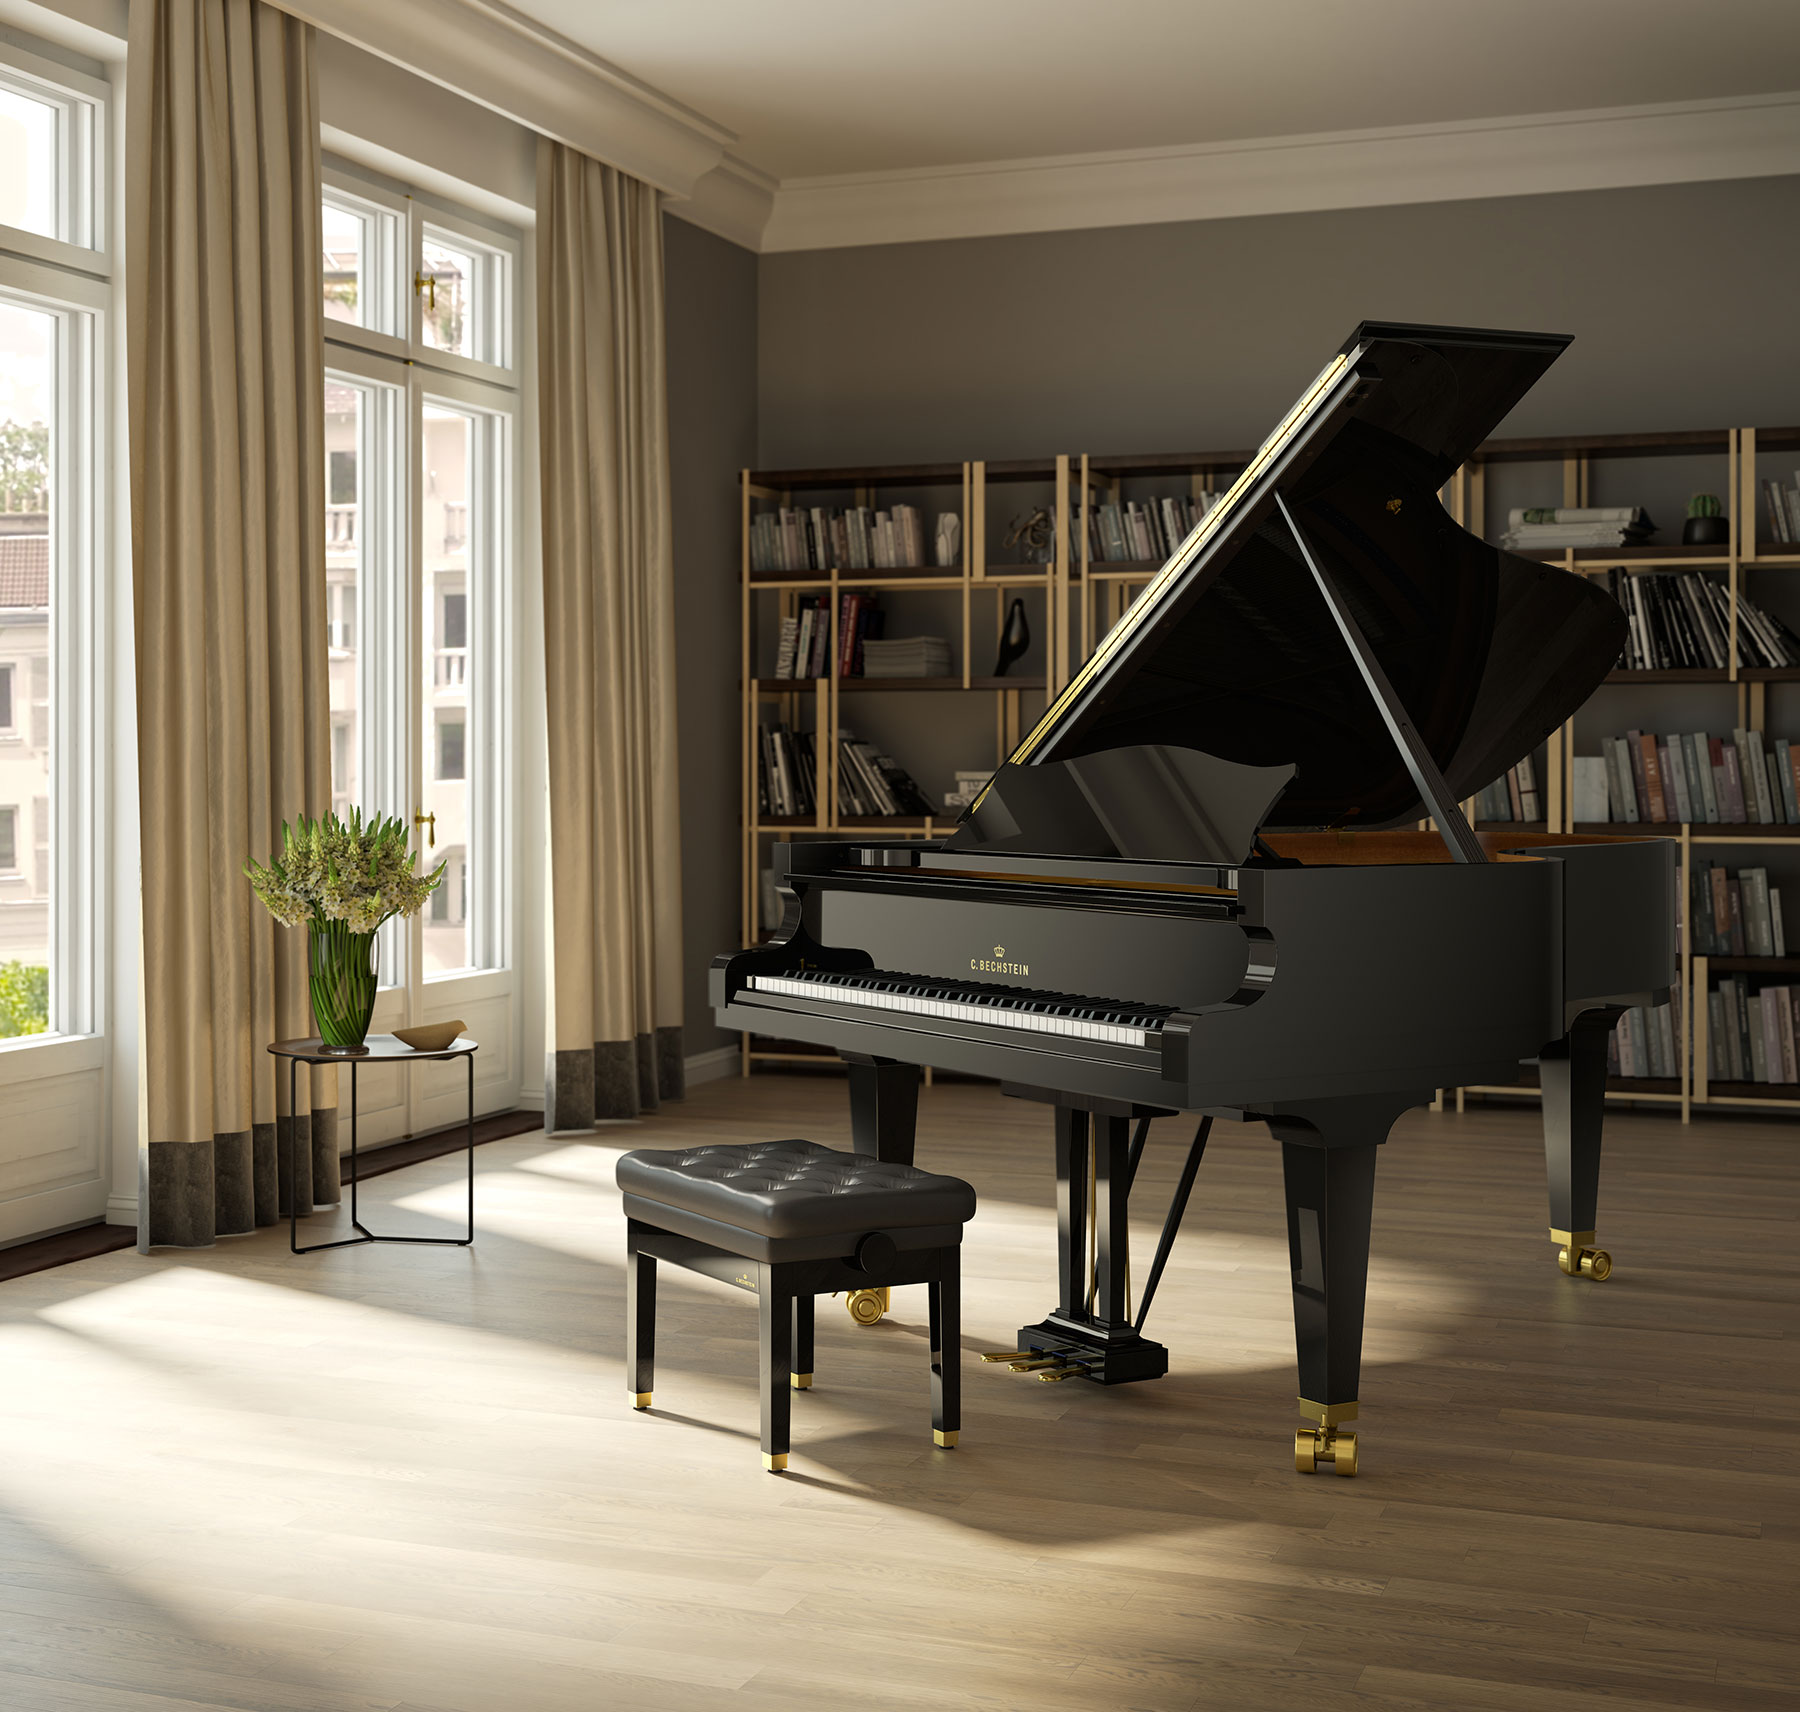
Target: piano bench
{"x": 791, "y": 1220}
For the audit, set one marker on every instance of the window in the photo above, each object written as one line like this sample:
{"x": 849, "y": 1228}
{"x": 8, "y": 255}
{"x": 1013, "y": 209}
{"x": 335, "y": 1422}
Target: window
{"x": 450, "y": 749}
{"x": 419, "y": 434}
{"x": 6, "y": 698}
{"x": 9, "y": 840}
{"x": 49, "y": 152}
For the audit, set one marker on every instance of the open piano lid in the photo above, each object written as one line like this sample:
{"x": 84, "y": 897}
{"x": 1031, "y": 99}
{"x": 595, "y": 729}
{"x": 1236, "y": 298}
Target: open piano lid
{"x": 1232, "y": 651}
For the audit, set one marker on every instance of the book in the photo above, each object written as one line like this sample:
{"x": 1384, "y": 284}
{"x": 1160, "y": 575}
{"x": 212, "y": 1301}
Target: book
{"x": 1758, "y": 1043}
{"x": 1699, "y": 758}
{"x": 1784, "y": 1022}
{"x": 1753, "y": 884}
{"x": 1776, "y": 931}
{"x": 1634, "y": 751}
{"x": 1733, "y": 808}
{"x": 785, "y": 648}
{"x": 1590, "y": 789}
{"x": 1675, "y": 775}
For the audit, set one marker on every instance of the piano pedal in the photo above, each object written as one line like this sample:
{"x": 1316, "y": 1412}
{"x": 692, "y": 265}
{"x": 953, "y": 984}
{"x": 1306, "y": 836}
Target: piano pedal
{"x": 1011, "y": 1355}
{"x": 1327, "y": 1442}
{"x": 1578, "y": 1258}
{"x": 1034, "y": 1360}
{"x": 1056, "y": 1375}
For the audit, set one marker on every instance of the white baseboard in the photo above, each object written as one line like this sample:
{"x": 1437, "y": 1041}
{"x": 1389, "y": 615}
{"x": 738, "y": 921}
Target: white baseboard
{"x": 712, "y": 1066}
{"x": 122, "y": 1210}
{"x": 529, "y": 1100}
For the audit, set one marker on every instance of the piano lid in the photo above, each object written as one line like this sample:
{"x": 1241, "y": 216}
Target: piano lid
{"x": 1232, "y": 651}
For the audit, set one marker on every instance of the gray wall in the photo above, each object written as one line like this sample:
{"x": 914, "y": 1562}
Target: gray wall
{"x": 711, "y": 313}
{"x": 1684, "y": 300}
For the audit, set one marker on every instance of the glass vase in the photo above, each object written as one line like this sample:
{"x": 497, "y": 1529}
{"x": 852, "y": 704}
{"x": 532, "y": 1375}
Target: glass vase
{"x": 341, "y": 969}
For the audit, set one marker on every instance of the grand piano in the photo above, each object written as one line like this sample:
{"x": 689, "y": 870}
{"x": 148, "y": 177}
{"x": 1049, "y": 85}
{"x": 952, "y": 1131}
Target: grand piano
{"x": 1199, "y": 885}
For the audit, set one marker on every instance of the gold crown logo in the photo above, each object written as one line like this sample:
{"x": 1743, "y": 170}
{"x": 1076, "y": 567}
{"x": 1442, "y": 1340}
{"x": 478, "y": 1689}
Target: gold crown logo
{"x": 999, "y": 950}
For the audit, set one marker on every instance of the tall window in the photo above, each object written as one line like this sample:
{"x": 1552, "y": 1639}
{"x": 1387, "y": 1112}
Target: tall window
{"x": 419, "y": 403}
{"x": 53, "y": 290}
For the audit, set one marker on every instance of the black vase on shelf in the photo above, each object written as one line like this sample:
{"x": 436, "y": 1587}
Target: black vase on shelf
{"x": 1706, "y": 532}
{"x": 1015, "y": 638}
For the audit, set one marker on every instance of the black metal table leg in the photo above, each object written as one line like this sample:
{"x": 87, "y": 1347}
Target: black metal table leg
{"x": 364, "y": 1234}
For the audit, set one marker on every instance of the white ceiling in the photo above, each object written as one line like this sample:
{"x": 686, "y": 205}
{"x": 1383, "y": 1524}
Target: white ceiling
{"x": 824, "y": 87}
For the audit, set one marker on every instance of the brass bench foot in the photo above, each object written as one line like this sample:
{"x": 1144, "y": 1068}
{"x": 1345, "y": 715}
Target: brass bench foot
{"x": 1578, "y": 1258}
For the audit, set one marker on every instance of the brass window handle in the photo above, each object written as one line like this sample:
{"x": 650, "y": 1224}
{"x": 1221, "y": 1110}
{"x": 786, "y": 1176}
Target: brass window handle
{"x": 426, "y": 283}
{"x": 428, "y": 820}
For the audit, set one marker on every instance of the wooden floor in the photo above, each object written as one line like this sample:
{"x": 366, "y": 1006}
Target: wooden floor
{"x": 410, "y": 1479}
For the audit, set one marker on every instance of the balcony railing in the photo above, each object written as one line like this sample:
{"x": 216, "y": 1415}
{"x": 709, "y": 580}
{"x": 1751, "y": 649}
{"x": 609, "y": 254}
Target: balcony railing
{"x": 456, "y": 525}
{"x": 340, "y": 528}
{"x": 451, "y": 669}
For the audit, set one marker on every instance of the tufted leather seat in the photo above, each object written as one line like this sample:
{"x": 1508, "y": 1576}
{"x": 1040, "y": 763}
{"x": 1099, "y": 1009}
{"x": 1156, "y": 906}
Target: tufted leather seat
{"x": 793, "y": 1189}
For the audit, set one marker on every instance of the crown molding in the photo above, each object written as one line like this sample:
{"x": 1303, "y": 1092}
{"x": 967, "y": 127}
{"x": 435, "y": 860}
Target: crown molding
{"x": 733, "y": 201}
{"x": 503, "y": 60}
{"x": 1536, "y": 154}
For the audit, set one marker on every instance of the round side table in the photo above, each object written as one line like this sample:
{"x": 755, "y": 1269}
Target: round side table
{"x": 378, "y": 1049}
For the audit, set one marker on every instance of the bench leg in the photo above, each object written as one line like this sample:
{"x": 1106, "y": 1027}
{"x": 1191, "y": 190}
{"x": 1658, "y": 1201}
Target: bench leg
{"x": 640, "y": 1321}
{"x": 946, "y": 1350}
{"x": 803, "y": 1342}
{"x": 775, "y": 1327}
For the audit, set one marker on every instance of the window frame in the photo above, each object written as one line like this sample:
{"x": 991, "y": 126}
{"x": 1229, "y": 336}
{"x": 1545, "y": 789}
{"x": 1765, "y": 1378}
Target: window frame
{"x": 79, "y": 304}
{"x": 79, "y": 198}
{"x": 413, "y": 375}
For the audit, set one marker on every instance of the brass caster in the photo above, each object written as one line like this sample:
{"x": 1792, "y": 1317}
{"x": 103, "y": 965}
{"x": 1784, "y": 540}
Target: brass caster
{"x": 776, "y": 1464}
{"x": 867, "y": 1306}
{"x": 640, "y": 1399}
{"x": 944, "y": 1441}
{"x": 800, "y": 1381}
{"x": 1577, "y": 1259}
{"x": 1314, "y": 1445}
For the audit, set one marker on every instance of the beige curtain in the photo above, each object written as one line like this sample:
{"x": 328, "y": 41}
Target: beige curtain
{"x": 228, "y": 567}
{"x": 609, "y": 645}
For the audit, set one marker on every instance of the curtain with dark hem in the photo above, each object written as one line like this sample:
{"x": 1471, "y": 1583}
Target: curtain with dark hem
{"x": 609, "y": 646}
{"x": 226, "y": 361}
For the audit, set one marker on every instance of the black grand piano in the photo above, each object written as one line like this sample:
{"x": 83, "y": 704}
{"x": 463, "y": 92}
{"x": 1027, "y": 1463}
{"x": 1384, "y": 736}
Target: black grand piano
{"x": 1199, "y": 884}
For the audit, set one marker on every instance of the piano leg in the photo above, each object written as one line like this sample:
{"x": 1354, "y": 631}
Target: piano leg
{"x": 1328, "y": 1164}
{"x": 1071, "y": 1211}
{"x": 1090, "y": 1335}
{"x": 884, "y": 1115}
{"x": 1572, "y": 1074}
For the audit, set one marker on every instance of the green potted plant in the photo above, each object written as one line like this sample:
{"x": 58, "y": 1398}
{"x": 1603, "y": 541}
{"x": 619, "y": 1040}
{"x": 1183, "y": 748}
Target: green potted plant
{"x": 1707, "y": 524}
{"x": 340, "y": 880}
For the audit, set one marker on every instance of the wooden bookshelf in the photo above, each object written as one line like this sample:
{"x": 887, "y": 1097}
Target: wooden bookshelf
{"x": 1081, "y": 597}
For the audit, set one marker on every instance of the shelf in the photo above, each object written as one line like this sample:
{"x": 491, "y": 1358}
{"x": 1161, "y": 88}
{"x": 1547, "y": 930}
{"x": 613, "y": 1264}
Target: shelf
{"x": 906, "y": 823}
{"x": 1644, "y": 554}
{"x": 1699, "y": 831}
{"x": 896, "y": 576}
{"x": 1784, "y": 1092}
{"x": 1750, "y": 965}
{"x": 1671, "y": 675}
{"x": 1506, "y": 828}
{"x": 788, "y": 686}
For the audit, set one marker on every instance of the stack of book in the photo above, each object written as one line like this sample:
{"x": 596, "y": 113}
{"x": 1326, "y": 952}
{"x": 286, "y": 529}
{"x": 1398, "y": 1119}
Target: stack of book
{"x": 969, "y": 785}
{"x": 1551, "y": 529}
{"x": 820, "y": 539}
{"x": 1736, "y": 915}
{"x": 804, "y": 646}
{"x": 785, "y": 775}
{"x": 1750, "y": 1036}
{"x": 1136, "y": 531}
{"x": 1511, "y": 797}
{"x": 1784, "y": 509}
{"x": 1645, "y": 1041}
{"x": 874, "y": 785}
{"x": 1683, "y": 619}
{"x": 1691, "y": 778}
{"x": 906, "y": 657}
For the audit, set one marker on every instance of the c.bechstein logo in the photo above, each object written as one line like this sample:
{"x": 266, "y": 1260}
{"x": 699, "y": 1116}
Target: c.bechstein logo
{"x": 997, "y": 964}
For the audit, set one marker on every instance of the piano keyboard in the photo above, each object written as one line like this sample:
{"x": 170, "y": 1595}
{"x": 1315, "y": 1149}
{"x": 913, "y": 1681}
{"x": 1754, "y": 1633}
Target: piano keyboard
{"x": 1064, "y": 1014}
